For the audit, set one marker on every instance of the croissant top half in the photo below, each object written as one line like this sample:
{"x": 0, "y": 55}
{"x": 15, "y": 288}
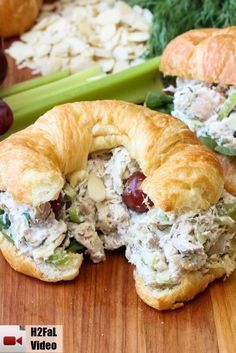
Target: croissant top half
{"x": 181, "y": 173}
{"x": 207, "y": 54}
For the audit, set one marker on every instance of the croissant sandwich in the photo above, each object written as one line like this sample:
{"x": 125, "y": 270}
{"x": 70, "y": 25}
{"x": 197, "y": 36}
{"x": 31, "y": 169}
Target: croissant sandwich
{"x": 17, "y": 16}
{"x": 204, "y": 61}
{"x": 91, "y": 176}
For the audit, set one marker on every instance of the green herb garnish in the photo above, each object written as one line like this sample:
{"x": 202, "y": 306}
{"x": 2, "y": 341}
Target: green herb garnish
{"x": 27, "y": 216}
{"x": 228, "y": 151}
{"x": 212, "y": 144}
{"x": 4, "y": 221}
{"x": 173, "y": 17}
{"x": 8, "y": 237}
{"x": 160, "y": 102}
{"x": 208, "y": 141}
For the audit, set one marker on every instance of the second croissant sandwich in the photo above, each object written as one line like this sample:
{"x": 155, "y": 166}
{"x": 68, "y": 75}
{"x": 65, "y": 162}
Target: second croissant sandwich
{"x": 91, "y": 176}
{"x": 204, "y": 62}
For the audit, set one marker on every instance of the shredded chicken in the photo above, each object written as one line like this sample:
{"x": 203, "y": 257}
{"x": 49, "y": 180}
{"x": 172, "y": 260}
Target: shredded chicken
{"x": 162, "y": 246}
{"x": 198, "y": 104}
{"x": 163, "y": 249}
{"x": 35, "y": 231}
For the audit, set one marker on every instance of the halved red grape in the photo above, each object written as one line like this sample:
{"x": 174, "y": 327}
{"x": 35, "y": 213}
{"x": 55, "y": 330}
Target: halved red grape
{"x": 57, "y": 205}
{"x": 3, "y": 66}
{"x": 6, "y": 117}
{"x": 133, "y": 196}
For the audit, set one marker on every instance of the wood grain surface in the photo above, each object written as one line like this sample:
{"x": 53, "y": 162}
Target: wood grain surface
{"x": 101, "y": 312}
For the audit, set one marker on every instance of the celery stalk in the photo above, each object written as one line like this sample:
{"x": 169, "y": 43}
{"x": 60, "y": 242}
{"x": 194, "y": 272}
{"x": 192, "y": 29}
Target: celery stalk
{"x": 39, "y": 94}
{"x": 130, "y": 85}
{"x": 34, "y": 82}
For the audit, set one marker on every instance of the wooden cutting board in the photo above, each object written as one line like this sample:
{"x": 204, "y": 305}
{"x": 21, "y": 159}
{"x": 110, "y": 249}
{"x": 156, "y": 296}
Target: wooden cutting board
{"x": 101, "y": 312}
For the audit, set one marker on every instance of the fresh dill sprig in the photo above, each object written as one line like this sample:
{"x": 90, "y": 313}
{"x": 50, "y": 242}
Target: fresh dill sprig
{"x": 173, "y": 17}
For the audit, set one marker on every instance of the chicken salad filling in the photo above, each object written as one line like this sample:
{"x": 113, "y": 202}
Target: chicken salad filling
{"x": 94, "y": 216}
{"x": 209, "y": 110}
{"x": 166, "y": 246}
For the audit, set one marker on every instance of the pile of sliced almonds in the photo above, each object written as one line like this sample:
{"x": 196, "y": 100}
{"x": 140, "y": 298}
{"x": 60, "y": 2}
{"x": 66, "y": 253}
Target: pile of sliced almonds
{"x": 74, "y": 34}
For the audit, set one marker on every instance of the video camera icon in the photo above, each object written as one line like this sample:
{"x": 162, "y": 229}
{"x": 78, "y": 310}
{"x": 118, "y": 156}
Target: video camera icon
{"x": 12, "y": 339}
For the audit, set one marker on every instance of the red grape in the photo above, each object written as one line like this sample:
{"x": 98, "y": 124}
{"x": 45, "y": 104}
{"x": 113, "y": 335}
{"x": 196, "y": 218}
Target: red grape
{"x": 6, "y": 117}
{"x": 57, "y": 205}
{"x": 133, "y": 196}
{"x": 3, "y": 66}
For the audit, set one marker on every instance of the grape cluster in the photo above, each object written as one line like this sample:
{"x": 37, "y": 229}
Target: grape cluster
{"x": 6, "y": 116}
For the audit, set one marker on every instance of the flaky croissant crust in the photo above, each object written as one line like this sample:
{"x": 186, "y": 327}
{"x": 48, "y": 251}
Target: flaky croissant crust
{"x": 181, "y": 173}
{"x": 17, "y": 16}
{"x": 207, "y": 54}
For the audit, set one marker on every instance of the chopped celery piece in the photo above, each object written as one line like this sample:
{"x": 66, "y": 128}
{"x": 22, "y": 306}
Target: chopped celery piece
{"x": 228, "y": 106}
{"x": 202, "y": 238}
{"x": 228, "y": 210}
{"x": 74, "y": 214}
{"x": 60, "y": 257}
{"x": 70, "y": 192}
{"x": 150, "y": 259}
{"x": 33, "y": 83}
{"x": 208, "y": 141}
{"x": 163, "y": 278}
{"x": 228, "y": 151}
{"x": 74, "y": 246}
{"x": 130, "y": 85}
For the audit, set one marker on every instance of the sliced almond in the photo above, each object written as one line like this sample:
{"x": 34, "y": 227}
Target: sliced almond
{"x": 121, "y": 53}
{"x": 107, "y": 65}
{"x": 96, "y": 189}
{"x": 79, "y": 63}
{"x": 148, "y": 16}
{"x": 53, "y": 64}
{"x": 124, "y": 8}
{"x": 108, "y": 31}
{"x": 120, "y": 66}
{"x": 76, "y": 46}
{"x": 138, "y": 37}
{"x": 43, "y": 49}
{"x": 109, "y": 16}
{"x": 30, "y": 37}
{"x": 60, "y": 49}
{"x": 101, "y": 53}
{"x": 20, "y": 51}
{"x": 138, "y": 9}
